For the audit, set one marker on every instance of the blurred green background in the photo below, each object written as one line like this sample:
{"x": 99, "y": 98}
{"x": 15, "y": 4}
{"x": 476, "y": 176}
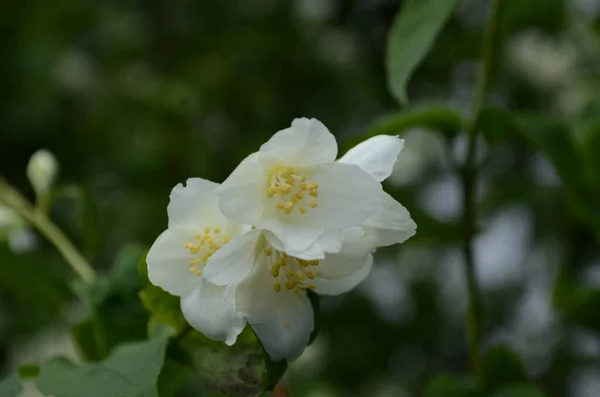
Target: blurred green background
{"x": 134, "y": 97}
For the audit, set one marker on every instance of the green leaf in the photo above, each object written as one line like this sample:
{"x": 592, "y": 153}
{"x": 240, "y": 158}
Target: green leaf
{"x": 163, "y": 306}
{"x": 131, "y": 370}
{"x": 10, "y": 386}
{"x": 521, "y": 391}
{"x": 435, "y": 118}
{"x": 413, "y": 33}
{"x": 114, "y": 311}
{"x": 452, "y": 386}
{"x": 502, "y": 367}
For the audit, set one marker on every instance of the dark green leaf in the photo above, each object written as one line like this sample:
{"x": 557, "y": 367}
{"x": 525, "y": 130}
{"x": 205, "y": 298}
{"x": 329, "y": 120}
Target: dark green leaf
{"x": 315, "y": 302}
{"x": 502, "y": 367}
{"x": 115, "y": 313}
{"x": 436, "y": 118}
{"x": 89, "y": 340}
{"x": 10, "y": 386}
{"x": 172, "y": 378}
{"x": 576, "y": 303}
{"x": 521, "y": 391}
{"x": 87, "y": 224}
{"x": 413, "y": 33}
{"x": 30, "y": 279}
{"x": 131, "y": 370}
{"x": 28, "y": 371}
{"x": 452, "y": 386}
{"x": 555, "y": 141}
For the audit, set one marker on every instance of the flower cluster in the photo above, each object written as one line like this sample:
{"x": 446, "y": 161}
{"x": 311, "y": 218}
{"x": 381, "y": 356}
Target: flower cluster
{"x": 290, "y": 218}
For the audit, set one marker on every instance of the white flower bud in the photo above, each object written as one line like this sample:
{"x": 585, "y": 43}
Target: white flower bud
{"x": 42, "y": 171}
{"x": 10, "y": 222}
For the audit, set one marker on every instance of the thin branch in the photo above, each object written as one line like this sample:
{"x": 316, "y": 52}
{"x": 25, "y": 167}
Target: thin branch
{"x": 12, "y": 198}
{"x": 469, "y": 181}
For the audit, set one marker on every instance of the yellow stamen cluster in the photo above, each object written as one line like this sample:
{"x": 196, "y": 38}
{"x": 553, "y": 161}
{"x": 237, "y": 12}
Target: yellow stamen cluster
{"x": 291, "y": 190}
{"x": 204, "y": 246}
{"x": 295, "y": 275}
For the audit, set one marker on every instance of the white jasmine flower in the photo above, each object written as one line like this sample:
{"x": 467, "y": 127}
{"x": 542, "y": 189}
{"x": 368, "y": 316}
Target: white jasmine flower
{"x": 293, "y": 188}
{"x": 269, "y": 287}
{"x": 267, "y": 283}
{"x": 196, "y": 230}
{"x": 42, "y": 171}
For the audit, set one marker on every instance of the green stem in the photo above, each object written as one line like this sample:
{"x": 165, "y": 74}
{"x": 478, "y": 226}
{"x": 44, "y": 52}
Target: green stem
{"x": 469, "y": 182}
{"x": 11, "y": 197}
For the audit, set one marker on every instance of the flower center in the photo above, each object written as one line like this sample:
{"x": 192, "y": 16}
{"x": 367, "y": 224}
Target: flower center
{"x": 290, "y": 190}
{"x": 205, "y": 244}
{"x": 289, "y": 272}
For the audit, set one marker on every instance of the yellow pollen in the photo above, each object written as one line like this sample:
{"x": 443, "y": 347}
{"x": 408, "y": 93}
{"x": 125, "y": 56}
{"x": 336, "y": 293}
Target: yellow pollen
{"x": 313, "y": 204}
{"x": 310, "y": 275}
{"x": 311, "y": 286}
{"x": 290, "y": 284}
{"x": 208, "y": 242}
{"x": 289, "y": 273}
{"x": 275, "y": 272}
{"x": 303, "y": 263}
{"x": 277, "y": 287}
{"x": 286, "y": 188}
{"x": 268, "y": 251}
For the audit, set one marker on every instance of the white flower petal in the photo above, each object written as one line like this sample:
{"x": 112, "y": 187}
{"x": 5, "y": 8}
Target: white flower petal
{"x": 286, "y": 334}
{"x": 347, "y": 197}
{"x": 193, "y": 203}
{"x": 290, "y": 236}
{"x": 232, "y": 262}
{"x": 307, "y": 141}
{"x": 391, "y": 224}
{"x": 255, "y": 296}
{"x": 168, "y": 264}
{"x": 376, "y": 155}
{"x": 206, "y": 310}
{"x": 336, "y": 286}
{"x": 330, "y": 241}
{"x": 242, "y": 194}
